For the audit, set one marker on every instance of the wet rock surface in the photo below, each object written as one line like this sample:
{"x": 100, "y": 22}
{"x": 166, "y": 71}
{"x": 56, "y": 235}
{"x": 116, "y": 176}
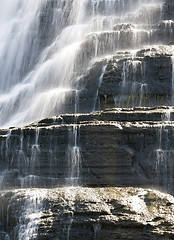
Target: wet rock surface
{"x": 124, "y": 59}
{"x": 123, "y": 72}
{"x": 168, "y": 9}
{"x": 142, "y": 80}
{"x": 115, "y": 147}
{"x": 142, "y": 76}
{"x": 92, "y": 213}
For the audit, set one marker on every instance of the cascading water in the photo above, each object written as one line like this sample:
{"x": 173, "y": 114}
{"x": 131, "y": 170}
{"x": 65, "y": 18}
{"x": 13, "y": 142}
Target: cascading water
{"x": 74, "y": 157}
{"x": 173, "y": 79}
{"x": 100, "y": 80}
{"x": 133, "y": 82}
{"x": 31, "y": 214}
{"x": 41, "y": 72}
{"x": 59, "y": 57}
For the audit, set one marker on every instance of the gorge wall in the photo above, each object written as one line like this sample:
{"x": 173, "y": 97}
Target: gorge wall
{"x": 87, "y": 120}
{"x": 123, "y": 147}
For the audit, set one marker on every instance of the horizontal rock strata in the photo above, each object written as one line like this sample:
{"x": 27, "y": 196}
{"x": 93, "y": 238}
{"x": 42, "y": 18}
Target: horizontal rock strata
{"x": 117, "y": 147}
{"x": 141, "y": 78}
{"x": 126, "y": 67}
{"x": 132, "y": 61}
{"x": 88, "y": 213}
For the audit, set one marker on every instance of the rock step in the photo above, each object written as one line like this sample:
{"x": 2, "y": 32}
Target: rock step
{"x": 99, "y": 44}
{"x": 142, "y": 77}
{"x": 139, "y": 114}
{"x": 90, "y": 213}
{"x": 117, "y": 147}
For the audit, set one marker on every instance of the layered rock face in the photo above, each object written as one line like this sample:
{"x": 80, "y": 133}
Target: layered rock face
{"x": 114, "y": 136}
{"x": 123, "y": 147}
{"x": 142, "y": 76}
{"x": 114, "y": 54}
{"x": 90, "y": 213}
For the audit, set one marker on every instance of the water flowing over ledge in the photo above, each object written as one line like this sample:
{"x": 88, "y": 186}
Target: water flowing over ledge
{"x": 90, "y": 75}
{"x": 134, "y": 144}
{"x": 95, "y": 213}
{"x": 48, "y": 47}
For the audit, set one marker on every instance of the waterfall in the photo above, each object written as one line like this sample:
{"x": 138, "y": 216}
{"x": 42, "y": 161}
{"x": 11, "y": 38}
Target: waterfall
{"x": 74, "y": 156}
{"x": 47, "y": 46}
{"x": 172, "y": 78}
{"x": 82, "y": 84}
{"x": 30, "y": 214}
{"x": 100, "y": 81}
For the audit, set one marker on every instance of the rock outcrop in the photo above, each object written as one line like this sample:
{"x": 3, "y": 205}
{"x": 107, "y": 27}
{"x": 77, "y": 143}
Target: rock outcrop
{"x": 88, "y": 213}
{"x": 116, "y": 147}
{"x": 126, "y": 80}
{"x": 138, "y": 68}
{"x": 85, "y": 174}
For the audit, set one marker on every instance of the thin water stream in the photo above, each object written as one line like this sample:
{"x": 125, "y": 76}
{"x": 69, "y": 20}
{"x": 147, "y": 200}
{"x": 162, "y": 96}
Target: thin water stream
{"x": 33, "y": 85}
{"x": 46, "y": 50}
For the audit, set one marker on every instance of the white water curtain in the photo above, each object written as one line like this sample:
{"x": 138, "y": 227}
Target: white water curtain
{"x": 37, "y": 75}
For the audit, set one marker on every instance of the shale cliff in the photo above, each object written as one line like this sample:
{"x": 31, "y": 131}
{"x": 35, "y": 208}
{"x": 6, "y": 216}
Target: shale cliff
{"x": 116, "y": 147}
{"x": 89, "y": 213}
{"x": 81, "y": 146}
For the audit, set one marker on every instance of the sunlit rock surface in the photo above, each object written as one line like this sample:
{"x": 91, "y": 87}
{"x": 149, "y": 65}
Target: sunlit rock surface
{"x": 79, "y": 56}
{"x": 88, "y": 213}
{"x": 113, "y": 63}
